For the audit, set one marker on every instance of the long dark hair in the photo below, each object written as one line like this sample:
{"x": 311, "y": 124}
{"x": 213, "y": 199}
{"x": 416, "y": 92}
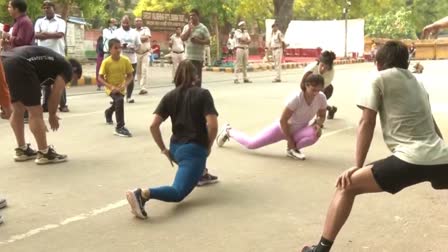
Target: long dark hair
{"x": 327, "y": 58}
{"x": 186, "y": 75}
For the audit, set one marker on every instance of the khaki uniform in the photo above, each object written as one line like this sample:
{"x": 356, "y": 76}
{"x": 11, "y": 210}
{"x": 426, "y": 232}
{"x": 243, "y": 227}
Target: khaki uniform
{"x": 275, "y": 46}
{"x": 143, "y": 59}
{"x": 242, "y": 53}
{"x": 177, "y": 52}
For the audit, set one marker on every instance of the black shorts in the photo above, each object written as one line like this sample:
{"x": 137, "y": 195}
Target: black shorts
{"x": 23, "y": 82}
{"x": 328, "y": 91}
{"x": 393, "y": 174}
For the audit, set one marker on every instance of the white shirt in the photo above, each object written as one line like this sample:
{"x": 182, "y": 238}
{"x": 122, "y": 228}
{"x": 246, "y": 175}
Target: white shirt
{"x": 304, "y": 113}
{"x": 145, "y": 47}
{"x": 108, "y": 33}
{"x": 406, "y": 118}
{"x": 54, "y": 25}
{"x": 241, "y": 35}
{"x": 314, "y": 68}
{"x": 177, "y": 43}
{"x": 276, "y": 40}
{"x": 132, "y": 38}
{"x": 231, "y": 43}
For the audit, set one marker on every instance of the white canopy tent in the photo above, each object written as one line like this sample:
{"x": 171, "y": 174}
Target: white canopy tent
{"x": 326, "y": 34}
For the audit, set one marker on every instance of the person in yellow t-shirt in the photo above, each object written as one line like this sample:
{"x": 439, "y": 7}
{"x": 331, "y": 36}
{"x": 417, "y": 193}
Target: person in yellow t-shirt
{"x": 116, "y": 74}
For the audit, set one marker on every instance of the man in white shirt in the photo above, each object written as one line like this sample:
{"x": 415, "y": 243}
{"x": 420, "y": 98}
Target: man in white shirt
{"x": 419, "y": 153}
{"x": 231, "y": 43}
{"x": 130, "y": 43}
{"x": 242, "y": 38}
{"x": 50, "y": 33}
{"x": 108, "y": 33}
{"x": 142, "y": 55}
{"x": 177, "y": 49}
{"x": 276, "y": 47}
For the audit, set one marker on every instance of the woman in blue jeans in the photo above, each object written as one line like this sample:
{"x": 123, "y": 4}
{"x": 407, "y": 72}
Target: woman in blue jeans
{"x": 194, "y": 126}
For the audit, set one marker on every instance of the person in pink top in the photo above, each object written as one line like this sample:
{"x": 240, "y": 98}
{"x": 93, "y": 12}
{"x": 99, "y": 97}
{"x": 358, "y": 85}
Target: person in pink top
{"x": 300, "y": 124}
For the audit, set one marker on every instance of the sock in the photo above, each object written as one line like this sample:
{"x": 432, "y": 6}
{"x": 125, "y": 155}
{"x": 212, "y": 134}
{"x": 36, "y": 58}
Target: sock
{"x": 44, "y": 151}
{"x": 24, "y": 147}
{"x": 324, "y": 245}
{"x": 145, "y": 195}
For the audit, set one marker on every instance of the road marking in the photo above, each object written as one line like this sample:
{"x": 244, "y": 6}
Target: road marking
{"x": 95, "y": 212}
{"x": 67, "y": 221}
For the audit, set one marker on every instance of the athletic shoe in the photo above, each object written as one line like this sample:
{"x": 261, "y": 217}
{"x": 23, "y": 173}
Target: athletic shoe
{"x": 123, "y": 132}
{"x": 108, "y": 118}
{"x": 331, "y": 112}
{"x": 137, "y": 203}
{"x": 223, "y": 135}
{"x": 309, "y": 249}
{"x": 50, "y": 157}
{"x": 3, "y": 203}
{"x": 1, "y": 219}
{"x": 276, "y": 80}
{"x": 207, "y": 179}
{"x": 143, "y": 92}
{"x": 130, "y": 100}
{"x": 236, "y": 82}
{"x": 247, "y": 81}
{"x": 24, "y": 155}
{"x": 296, "y": 154}
{"x": 64, "y": 109}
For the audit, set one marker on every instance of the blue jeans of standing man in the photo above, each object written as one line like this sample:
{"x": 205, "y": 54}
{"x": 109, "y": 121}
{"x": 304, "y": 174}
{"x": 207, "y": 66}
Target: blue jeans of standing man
{"x": 191, "y": 159}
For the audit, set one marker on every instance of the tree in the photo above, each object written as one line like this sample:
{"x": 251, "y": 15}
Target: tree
{"x": 393, "y": 24}
{"x": 283, "y": 12}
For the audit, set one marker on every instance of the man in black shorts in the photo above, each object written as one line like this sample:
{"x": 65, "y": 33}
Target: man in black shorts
{"x": 419, "y": 153}
{"x": 27, "y": 69}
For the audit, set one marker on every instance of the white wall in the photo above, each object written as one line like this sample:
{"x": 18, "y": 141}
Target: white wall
{"x": 326, "y": 34}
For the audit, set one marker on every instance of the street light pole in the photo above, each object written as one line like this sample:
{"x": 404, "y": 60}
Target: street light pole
{"x": 346, "y": 8}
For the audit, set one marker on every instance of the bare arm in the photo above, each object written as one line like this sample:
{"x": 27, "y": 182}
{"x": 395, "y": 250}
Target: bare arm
{"x": 435, "y": 27}
{"x": 156, "y": 133}
{"x": 103, "y": 81}
{"x": 186, "y": 34}
{"x": 212, "y": 129}
{"x": 287, "y": 113}
{"x": 364, "y": 137}
{"x": 49, "y": 35}
{"x": 53, "y": 101}
{"x": 129, "y": 78}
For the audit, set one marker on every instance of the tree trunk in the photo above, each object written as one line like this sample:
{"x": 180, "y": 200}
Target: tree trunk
{"x": 283, "y": 11}
{"x": 215, "y": 20}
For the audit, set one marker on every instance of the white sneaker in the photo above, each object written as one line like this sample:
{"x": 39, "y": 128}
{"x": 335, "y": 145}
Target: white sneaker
{"x": 296, "y": 154}
{"x": 223, "y": 135}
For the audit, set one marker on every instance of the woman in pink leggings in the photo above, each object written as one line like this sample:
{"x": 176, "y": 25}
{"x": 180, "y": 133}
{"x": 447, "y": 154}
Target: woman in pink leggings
{"x": 294, "y": 125}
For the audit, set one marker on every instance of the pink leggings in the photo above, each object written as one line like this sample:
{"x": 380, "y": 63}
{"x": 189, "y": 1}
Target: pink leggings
{"x": 303, "y": 137}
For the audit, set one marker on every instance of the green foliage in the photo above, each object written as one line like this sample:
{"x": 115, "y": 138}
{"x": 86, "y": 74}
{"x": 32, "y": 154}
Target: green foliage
{"x": 34, "y": 10}
{"x": 396, "y": 24}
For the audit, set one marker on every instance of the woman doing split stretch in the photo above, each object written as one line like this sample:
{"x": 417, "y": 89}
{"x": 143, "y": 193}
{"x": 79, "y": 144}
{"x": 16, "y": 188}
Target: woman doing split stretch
{"x": 194, "y": 126}
{"x": 324, "y": 67}
{"x": 294, "y": 125}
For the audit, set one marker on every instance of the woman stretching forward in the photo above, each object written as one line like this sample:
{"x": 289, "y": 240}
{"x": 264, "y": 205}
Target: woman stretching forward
{"x": 194, "y": 126}
{"x": 294, "y": 125}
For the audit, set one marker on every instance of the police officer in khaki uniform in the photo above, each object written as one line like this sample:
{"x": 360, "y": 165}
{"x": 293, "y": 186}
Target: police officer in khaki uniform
{"x": 276, "y": 47}
{"x": 242, "y": 51}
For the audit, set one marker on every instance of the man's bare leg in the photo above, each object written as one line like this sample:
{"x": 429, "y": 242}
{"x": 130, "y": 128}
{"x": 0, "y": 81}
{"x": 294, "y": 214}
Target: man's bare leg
{"x": 362, "y": 181}
{"x": 17, "y": 123}
{"x": 37, "y": 126}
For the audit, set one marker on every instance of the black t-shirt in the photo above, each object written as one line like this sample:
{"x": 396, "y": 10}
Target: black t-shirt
{"x": 47, "y": 64}
{"x": 187, "y": 109}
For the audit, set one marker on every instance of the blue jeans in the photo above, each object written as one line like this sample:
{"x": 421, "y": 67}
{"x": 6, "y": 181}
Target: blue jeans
{"x": 191, "y": 159}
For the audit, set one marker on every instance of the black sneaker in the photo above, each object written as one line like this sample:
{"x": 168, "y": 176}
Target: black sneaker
{"x": 123, "y": 132}
{"x": 309, "y": 249}
{"x": 108, "y": 118}
{"x": 331, "y": 112}
{"x": 130, "y": 100}
{"x": 50, "y": 157}
{"x": 207, "y": 179}
{"x": 247, "y": 81}
{"x": 24, "y": 155}
{"x": 137, "y": 203}
{"x": 1, "y": 219}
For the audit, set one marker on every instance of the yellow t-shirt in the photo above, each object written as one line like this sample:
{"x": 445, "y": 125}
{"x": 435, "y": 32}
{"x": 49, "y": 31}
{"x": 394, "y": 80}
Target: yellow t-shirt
{"x": 115, "y": 71}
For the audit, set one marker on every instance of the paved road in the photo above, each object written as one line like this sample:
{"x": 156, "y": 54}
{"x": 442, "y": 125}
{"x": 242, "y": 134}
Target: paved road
{"x": 264, "y": 201}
